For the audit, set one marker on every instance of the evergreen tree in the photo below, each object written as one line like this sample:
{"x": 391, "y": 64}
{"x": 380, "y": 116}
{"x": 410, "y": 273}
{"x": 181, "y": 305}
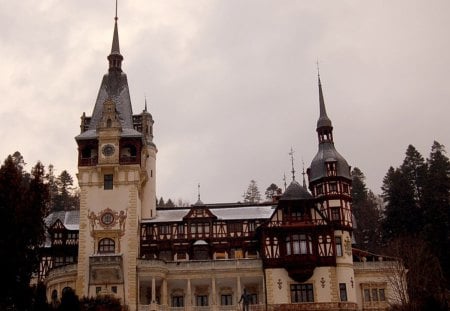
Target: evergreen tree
{"x": 170, "y": 203}
{"x": 366, "y": 212}
{"x": 401, "y": 213}
{"x": 23, "y": 205}
{"x": 437, "y": 205}
{"x": 252, "y": 195}
{"x": 161, "y": 202}
{"x": 271, "y": 191}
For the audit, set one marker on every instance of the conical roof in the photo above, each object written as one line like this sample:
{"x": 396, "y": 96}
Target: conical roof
{"x": 295, "y": 192}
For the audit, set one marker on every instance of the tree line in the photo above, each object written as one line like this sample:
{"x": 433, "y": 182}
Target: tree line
{"x": 411, "y": 222}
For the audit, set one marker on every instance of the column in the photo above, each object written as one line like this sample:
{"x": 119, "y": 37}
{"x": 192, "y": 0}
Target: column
{"x": 153, "y": 290}
{"x": 164, "y": 301}
{"x": 214, "y": 295}
{"x": 188, "y": 295}
{"x": 238, "y": 288}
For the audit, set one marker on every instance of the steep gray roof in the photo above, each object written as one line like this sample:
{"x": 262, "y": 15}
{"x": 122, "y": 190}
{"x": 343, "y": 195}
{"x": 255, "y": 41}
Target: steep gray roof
{"x": 70, "y": 219}
{"x": 114, "y": 87}
{"x": 327, "y": 153}
{"x": 295, "y": 192}
{"x": 231, "y": 213}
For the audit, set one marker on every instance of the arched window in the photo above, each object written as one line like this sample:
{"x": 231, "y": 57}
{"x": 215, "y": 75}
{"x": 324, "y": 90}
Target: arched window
{"x": 108, "y": 123}
{"x": 106, "y": 246}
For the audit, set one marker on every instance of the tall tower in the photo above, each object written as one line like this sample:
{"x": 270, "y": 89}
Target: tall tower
{"x": 116, "y": 175}
{"x": 330, "y": 184}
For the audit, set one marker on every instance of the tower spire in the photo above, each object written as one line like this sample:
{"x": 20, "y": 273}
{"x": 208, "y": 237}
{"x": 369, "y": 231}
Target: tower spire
{"x": 292, "y": 164}
{"x": 303, "y": 173}
{"x": 323, "y": 117}
{"x": 115, "y": 58}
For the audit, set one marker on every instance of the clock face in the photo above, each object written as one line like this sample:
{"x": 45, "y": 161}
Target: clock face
{"x": 108, "y": 150}
{"x": 107, "y": 218}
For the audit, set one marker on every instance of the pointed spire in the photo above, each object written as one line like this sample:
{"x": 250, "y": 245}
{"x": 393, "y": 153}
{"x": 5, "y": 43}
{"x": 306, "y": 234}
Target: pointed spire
{"x": 292, "y": 163}
{"x": 303, "y": 173}
{"x": 145, "y": 107}
{"x": 284, "y": 179}
{"x": 199, "y": 201}
{"x": 115, "y": 58}
{"x": 323, "y": 118}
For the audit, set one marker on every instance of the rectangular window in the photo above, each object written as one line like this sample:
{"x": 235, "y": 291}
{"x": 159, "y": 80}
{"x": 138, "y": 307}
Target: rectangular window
{"x": 251, "y": 226}
{"x": 335, "y": 214}
{"x": 180, "y": 229}
{"x": 108, "y": 181}
{"x": 201, "y": 300}
{"x": 338, "y": 240}
{"x": 302, "y": 293}
{"x": 59, "y": 261}
{"x": 381, "y": 294}
{"x": 98, "y": 289}
{"x": 374, "y": 294}
{"x": 114, "y": 289}
{"x": 343, "y": 291}
{"x": 345, "y": 188}
{"x": 333, "y": 187}
{"x": 319, "y": 189}
{"x": 366, "y": 295}
{"x": 226, "y": 300}
{"x": 177, "y": 301}
{"x": 235, "y": 227}
{"x": 164, "y": 229}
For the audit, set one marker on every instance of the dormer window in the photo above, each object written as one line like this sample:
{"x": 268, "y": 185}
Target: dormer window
{"x": 331, "y": 168}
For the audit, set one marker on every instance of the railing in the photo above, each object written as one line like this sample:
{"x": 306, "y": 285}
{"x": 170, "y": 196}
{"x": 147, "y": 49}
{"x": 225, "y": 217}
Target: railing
{"x": 201, "y": 265}
{"x": 375, "y": 265}
{"x": 88, "y": 161}
{"x": 62, "y": 270}
{"x": 155, "y": 307}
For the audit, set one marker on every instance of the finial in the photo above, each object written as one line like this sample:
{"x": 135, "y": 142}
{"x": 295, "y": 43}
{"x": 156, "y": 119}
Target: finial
{"x": 284, "y": 179}
{"x": 292, "y": 163}
{"x": 116, "y": 18}
{"x": 303, "y": 173}
{"x": 198, "y": 191}
{"x": 318, "y": 69}
{"x": 145, "y": 107}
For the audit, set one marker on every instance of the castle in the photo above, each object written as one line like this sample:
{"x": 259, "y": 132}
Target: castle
{"x": 294, "y": 253}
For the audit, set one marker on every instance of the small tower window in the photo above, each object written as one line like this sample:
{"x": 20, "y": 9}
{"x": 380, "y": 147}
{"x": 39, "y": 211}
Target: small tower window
{"x": 331, "y": 169}
{"x": 333, "y": 187}
{"x": 108, "y": 123}
{"x": 338, "y": 241}
{"x": 108, "y": 182}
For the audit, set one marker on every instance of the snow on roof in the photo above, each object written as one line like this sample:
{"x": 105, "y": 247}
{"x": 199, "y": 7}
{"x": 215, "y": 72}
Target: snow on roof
{"x": 70, "y": 219}
{"x": 228, "y": 213}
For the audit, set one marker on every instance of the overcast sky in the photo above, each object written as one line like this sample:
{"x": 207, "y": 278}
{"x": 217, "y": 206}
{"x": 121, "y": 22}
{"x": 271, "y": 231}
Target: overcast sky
{"x": 231, "y": 85}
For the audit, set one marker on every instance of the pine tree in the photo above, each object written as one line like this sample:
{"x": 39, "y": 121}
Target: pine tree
{"x": 252, "y": 195}
{"x": 437, "y": 205}
{"x": 400, "y": 213}
{"x": 366, "y": 212}
{"x": 23, "y": 205}
{"x": 271, "y": 191}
